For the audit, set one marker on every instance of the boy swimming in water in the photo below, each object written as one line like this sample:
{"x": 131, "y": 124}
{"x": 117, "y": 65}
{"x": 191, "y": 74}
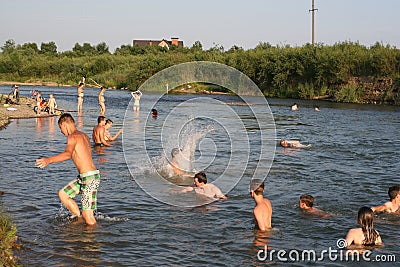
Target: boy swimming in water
{"x": 204, "y": 188}
{"x": 263, "y": 210}
{"x": 292, "y": 144}
{"x": 394, "y": 204}
{"x": 306, "y": 203}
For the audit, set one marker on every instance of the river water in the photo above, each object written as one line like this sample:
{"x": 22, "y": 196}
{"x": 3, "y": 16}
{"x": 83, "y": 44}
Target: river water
{"x": 352, "y": 161}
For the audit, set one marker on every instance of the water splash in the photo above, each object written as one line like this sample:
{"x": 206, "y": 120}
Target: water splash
{"x": 181, "y": 147}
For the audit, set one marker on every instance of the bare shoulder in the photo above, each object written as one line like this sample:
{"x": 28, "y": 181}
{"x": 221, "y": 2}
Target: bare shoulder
{"x": 267, "y": 202}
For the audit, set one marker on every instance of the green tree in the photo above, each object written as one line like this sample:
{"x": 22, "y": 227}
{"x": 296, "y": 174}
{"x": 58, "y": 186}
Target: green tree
{"x": 49, "y": 48}
{"x": 102, "y": 48}
{"x": 9, "y": 46}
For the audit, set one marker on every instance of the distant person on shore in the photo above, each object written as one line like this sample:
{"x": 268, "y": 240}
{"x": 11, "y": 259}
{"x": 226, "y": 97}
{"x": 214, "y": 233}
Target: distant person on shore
{"x": 33, "y": 94}
{"x": 16, "y": 93}
{"x": 39, "y": 102}
{"x": 204, "y": 188}
{"x": 366, "y": 235}
{"x": 306, "y": 204}
{"x": 394, "y": 204}
{"x": 99, "y": 132}
{"x": 107, "y": 135}
{"x": 13, "y": 96}
{"x": 88, "y": 181}
{"x": 81, "y": 87}
{"x": 263, "y": 210}
{"x": 295, "y": 107}
{"x": 52, "y": 104}
{"x": 136, "y": 104}
{"x": 102, "y": 101}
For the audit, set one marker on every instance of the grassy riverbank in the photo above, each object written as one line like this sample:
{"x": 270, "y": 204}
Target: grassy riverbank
{"x": 8, "y": 239}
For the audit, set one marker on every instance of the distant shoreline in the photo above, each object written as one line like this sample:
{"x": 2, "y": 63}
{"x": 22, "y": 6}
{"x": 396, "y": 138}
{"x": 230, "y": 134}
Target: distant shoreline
{"x": 38, "y": 83}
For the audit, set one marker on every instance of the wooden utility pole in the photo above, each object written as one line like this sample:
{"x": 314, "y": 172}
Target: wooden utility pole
{"x": 313, "y": 24}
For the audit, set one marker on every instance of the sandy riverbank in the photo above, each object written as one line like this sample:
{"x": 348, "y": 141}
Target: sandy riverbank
{"x": 23, "y": 110}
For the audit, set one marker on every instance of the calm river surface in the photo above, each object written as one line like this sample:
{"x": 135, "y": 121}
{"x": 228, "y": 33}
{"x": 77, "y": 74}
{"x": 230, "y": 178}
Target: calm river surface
{"x": 352, "y": 161}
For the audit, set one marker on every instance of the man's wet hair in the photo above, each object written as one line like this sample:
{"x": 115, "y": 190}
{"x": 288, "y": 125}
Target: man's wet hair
{"x": 393, "y": 191}
{"x": 307, "y": 199}
{"x": 100, "y": 119}
{"x": 66, "y": 117}
{"x": 108, "y": 121}
{"x": 201, "y": 177}
{"x": 257, "y": 186}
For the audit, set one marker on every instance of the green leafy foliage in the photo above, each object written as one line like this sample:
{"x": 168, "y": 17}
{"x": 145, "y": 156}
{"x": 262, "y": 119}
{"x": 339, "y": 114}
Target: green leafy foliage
{"x": 8, "y": 238}
{"x": 280, "y": 71}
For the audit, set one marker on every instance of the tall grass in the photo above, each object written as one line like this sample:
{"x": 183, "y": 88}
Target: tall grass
{"x": 8, "y": 238}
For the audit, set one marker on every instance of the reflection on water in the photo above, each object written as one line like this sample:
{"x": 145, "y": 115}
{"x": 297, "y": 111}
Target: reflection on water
{"x": 352, "y": 162}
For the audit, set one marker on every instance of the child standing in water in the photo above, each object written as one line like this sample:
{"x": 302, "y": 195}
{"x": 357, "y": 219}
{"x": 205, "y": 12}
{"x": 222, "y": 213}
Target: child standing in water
{"x": 366, "y": 235}
{"x": 52, "y": 104}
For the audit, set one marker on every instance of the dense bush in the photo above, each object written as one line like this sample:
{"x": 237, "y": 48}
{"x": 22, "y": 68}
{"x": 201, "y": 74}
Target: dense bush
{"x": 298, "y": 72}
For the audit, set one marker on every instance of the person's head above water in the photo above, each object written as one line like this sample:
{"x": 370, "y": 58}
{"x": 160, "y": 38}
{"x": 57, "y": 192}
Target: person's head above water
{"x": 283, "y": 143}
{"x": 67, "y": 124}
{"x": 66, "y": 118}
{"x": 257, "y": 186}
{"x": 175, "y": 152}
{"x": 394, "y": 191}
{"x": 306, "y": 201}
{"x": 200, "y": 177}
{"x": 101, "y": 119}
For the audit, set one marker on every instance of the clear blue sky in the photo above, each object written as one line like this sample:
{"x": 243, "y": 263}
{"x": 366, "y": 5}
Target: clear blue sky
{"x": 222, "y": 22}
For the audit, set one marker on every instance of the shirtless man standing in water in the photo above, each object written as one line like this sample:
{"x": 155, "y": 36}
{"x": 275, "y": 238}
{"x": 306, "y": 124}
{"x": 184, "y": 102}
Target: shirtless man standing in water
{"x": 87, "y": 183}
{"x": 99, "y": 132}
{"x": 263, "y": 209}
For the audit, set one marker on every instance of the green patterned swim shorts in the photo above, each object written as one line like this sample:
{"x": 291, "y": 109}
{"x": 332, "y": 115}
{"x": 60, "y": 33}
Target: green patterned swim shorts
{"x": 87, "y": 184}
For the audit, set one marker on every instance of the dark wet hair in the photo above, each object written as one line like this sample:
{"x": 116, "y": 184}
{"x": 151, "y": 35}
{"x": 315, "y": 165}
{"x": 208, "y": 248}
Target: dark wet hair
{"x": 393, "y": 191}
{"x": 66, "y": 117}
{"x": 100, "y": 119}
{"x": 201, "y": 177}
{"x": 366, "y": 221}
{"x": 257, "y": 186}
{"x": 81, "y": 83}
{"x": 108, "y": 121}
{"x": 307, "y": 199}
{"x": 154, "y": 112}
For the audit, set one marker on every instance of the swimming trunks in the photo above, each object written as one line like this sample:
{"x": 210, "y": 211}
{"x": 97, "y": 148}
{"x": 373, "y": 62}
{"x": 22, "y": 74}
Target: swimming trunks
{"x": 98, "y": 144}
{"x": 87, "y": 184}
